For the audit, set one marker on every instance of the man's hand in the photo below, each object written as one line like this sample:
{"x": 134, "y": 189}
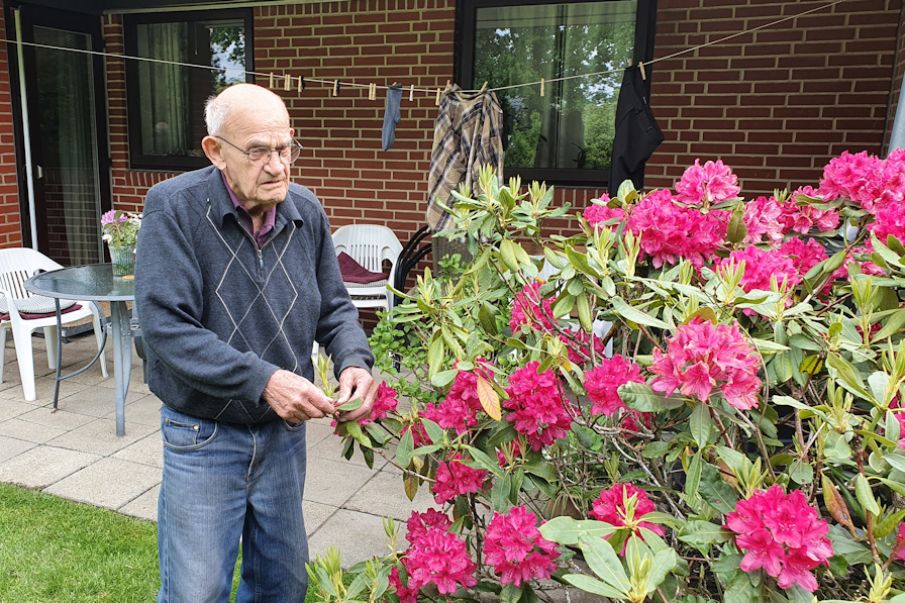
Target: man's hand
{"x": 356, "y": 382}
{"x": 295, "y": 399}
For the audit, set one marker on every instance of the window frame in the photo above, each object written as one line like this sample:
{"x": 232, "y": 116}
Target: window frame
{"x": 137, "y": 159}
{"x": 466, "y": 13}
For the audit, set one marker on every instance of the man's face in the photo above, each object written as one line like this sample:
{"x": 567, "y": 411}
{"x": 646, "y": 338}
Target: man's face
{"x": 263, "y": 183}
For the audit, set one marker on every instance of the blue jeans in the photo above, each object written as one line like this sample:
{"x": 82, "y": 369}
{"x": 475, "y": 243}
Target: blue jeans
{"x": 221, "y": 482}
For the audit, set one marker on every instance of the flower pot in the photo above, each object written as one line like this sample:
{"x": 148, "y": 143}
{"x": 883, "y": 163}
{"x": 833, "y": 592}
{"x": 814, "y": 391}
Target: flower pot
{"x": 123, "y": 260}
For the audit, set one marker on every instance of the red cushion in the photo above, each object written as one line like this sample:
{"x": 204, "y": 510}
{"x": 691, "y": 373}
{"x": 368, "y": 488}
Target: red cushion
{"x": 353, "y": 272}
{"x": 34, "y": 315}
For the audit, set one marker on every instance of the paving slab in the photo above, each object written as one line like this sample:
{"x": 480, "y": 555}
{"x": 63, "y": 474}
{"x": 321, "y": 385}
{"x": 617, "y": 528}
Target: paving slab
{"x": 109, "y": 483}
{"x": 383, "y": 495}
{"x": 92, "y": 401}
{"x": 28, "y": 430}
{"x": 10, "y": 409}
{"x": 60, "y": 419}
{"x": 43, "y": 465}
{"x": 99, "y": 436}
{"x": 143, "y": 507}
{"x": 43, "y": 390}
{"x": 358, "y": 536}
{"x": 334, "y": 482}
{"x": 10, "y": 447}
{"x": 316, "y": 514}
{"x": 142, "y": 409}
{"x": 147, "y": 451}
{"x": 331, "y": 449}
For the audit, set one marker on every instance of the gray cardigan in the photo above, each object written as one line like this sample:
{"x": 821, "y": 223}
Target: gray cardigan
{"x": 220, "y": 316}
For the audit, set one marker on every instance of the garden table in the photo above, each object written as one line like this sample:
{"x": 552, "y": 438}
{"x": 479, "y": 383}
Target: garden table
{"x": 95, "y": 283}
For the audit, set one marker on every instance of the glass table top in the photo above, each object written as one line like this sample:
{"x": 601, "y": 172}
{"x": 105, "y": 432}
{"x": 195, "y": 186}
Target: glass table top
{"x": 94, "y": 282}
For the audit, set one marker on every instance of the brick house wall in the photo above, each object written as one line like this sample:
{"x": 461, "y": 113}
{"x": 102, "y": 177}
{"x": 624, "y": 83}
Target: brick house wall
{"x": 10, "y": 221}
{"x": 777, "y": 104}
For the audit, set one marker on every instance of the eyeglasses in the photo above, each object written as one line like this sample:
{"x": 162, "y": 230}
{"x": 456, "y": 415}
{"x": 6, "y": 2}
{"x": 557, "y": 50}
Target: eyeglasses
{"x": 288, "y": 153}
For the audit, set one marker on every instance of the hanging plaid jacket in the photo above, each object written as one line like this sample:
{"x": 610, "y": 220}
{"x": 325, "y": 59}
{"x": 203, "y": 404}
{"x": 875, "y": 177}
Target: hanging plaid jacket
{"x": 467, "y": 135}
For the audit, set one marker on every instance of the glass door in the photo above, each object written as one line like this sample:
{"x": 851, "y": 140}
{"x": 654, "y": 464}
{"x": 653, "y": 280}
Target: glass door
{"x": 67, "y": 133}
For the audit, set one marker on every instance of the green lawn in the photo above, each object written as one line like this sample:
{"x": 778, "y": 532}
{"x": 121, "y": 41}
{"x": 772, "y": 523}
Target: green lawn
{"x": 57, "y": 551}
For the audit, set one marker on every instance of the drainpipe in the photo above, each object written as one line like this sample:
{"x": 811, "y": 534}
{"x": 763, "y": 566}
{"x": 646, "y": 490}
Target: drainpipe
{"x": 898, "y": 125}
{"x": 26, "y": 135}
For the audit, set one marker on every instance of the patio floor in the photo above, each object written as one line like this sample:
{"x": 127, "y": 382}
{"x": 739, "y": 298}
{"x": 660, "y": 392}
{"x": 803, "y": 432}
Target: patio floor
{"x": 75, "y": 453}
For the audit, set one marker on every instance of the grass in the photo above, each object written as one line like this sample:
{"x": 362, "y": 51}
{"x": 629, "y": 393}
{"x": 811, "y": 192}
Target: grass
{"x": 57, "y": 551}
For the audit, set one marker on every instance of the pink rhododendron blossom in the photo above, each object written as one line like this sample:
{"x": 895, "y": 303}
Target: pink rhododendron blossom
{"x": 514, "y": 449}
{"x": 845, "y": 176}
{"x": 538, "y": 409}
{"x": 419, "y": 434}
{"x": 712, "y": 182}
{"x": 889, "y": 220}
{"x": 441, "y": 558}
{"x": 515, "y": 549}
{"x": 632, "y": 420}
{"x": 802, "y": 218}
{"x": 781, "y": 534}
{"x": 898, "y": 551}
{"x": 762, "y": 267}
{"x": 598, "y": 213}
{"x": 899, "y": 414}
{"x": 528, "y": 310}
{"x": 456, "y": 479}
{"x": 459, "y": 409}
{"x": 602, "y": 383}
{"x": 386, "y": 401}
{"x": 670, "y": 232}
{"x": 703, "y": 357}
{"x": 805, "y": 254}
{"x": 578, "y": 346}
{"x": 406, "y": 595}
{"x": 611, "y": 505}
{"x": 418, "y": 524}
{"x": 762, "y": 220}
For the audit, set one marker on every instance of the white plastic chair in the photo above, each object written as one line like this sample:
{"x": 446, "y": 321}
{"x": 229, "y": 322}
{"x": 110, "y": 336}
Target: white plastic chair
{"x": 16, "y": 266}
{"x": 370, "y": 245}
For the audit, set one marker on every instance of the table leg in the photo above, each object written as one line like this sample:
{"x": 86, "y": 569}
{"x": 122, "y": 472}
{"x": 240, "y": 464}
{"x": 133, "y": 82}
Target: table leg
{"x": 122, "y": 360}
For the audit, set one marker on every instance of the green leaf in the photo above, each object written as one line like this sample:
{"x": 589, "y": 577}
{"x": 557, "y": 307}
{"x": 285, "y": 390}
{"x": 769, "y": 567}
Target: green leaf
{"x": 700, "y": 425}
{"x": 542, "y": 469}
{"x": 434, "y": 431}
{"x": 664, "y": 562}
{"x": 602, "y": 560}
{"x": 896, "y": 460}
{"x": 405, "y": 449}
{"x": 865, "y": 496}
{"x": 801, "y": 472}
{"x": 567, "y": 530}
{"x": 635, "y": 315}
{"x": 693, "y": 478}
{"x": 351, "y": 405}
{"x": 878, "y": 382}
{"x": 765, "y": 346}
{"x": 740, "y": 590}
{"x": 846, "y": 375}
{"x": 499, "y": 494}
{"x": 444, "y": 378}
{"x": 702, "y": 533}
{"x": 596, "y": 587}
{"x": 436, "y": 352}
{"x": 892, "y": 325}
{"x": 717, "y": 493}
{"x": 483, "y": 461}
{"x": 641, "y": 397}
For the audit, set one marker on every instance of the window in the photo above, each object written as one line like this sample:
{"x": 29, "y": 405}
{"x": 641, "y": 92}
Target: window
{"x": 565, "y": 136}
{"x": 166, "y": 101}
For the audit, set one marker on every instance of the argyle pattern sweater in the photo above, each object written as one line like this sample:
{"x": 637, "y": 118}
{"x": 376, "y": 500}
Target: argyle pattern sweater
{"x": 219, "y": 315}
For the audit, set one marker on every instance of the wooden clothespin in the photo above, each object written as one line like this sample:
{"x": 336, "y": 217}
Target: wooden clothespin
{"x": 287, "y": 83}
{"x": 541, "y": 86}
{"x": 437, "y": 100}
{"x": 643, "y": 72}
{"x": 412, "y": 92}
{"x": 484, "y": 88}
{"x": 271, "y": 81}
{"x": 301, "y": 83}
{"x": 448, "y": 86}
{"x": 335, "y": 87}
{"x": 372, "y": 91}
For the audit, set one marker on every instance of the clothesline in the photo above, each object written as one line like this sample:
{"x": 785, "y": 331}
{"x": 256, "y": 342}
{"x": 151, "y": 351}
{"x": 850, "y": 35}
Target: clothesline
{"x": 335, "y": 84}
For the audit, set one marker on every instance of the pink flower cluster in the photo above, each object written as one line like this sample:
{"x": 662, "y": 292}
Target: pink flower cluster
{"x": 712, "y": 182}
{"x": 385, "y": 402}
{"x": 670, "y": 232}
{"x": 762, "y": 220}
{"x": 802, "y": 218}
{"x": 436, "y": 556}
{"x": 599, "y": 213}
{"x": 804, "y": 253}
{"x": 578, "y": 346}
{"x": 515, "y": 549}
{"x": 611, "y": 506}
{"x": 898, "y": 550}
{"x": 538, "y": 409}
{"x": 865, "y": 179}
{"x": 781, "y": 534}
{"x": 527, "y": 309}
{"x": 702, "y": 357}
{"x": 602, "y": 383}
{"x": 459, "y": 409}
{"x": 889, "y": 220}
{"x": 456, "y": 479}
{"x": 762, "y": 266}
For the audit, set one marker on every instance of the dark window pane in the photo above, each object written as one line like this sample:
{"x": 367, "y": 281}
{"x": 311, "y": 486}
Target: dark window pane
{"x": 172, "y": 97}
{"x": 571, "y": 127}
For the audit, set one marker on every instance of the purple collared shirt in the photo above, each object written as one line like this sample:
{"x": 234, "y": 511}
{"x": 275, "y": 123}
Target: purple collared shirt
{"x": 260, "y": 236}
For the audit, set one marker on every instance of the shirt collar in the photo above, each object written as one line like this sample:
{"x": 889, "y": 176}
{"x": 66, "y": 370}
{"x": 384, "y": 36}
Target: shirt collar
{"x": 224, "y": 202}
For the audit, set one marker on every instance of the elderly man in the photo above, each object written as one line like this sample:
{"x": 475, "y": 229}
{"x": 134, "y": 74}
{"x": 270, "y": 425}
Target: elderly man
{"x": 236, "y": 278}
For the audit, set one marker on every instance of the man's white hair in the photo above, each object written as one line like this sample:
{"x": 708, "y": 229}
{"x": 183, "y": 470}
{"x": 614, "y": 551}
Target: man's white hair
{"x": 216, "y": 110}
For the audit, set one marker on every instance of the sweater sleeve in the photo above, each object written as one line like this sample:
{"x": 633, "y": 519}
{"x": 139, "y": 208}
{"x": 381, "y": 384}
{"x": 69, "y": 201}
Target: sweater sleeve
{"x": 169, "y": 300}
{"x": 338, "y": 328}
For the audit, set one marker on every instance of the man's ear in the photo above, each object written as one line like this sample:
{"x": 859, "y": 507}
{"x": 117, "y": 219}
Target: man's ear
{"x": 212, "y": 149}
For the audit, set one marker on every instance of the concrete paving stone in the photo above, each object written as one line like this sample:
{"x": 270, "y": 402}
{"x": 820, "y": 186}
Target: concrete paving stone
{"x": 28, "y": 430}
{"x": 109, "y": 483}
{"x": 145, "y": 506}
{"x": 383, "y": 495}
{"x": 43, "y": 390}
{"x": 99, "y": 436}
{"x": 10, "y": 447}
{"x": 60, "y": 419}
{"x": 43, "y": 465}
{"x": 316, "y": 514}
{"x": 315, "y": 432}
{"x": 331, "y": 449}
{"x": 334, "y": 482}
{"x": 358, "y": 536}
{"x": 144, "y": 409}
{"x": 10, "y": 409}
{"x": 147, "y": 451}
{"x": 92, "y": 401}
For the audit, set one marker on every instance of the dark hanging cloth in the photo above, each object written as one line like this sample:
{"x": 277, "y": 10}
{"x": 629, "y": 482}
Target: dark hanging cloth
{"x": 637, "y": 132}
{"x": 391, "y": 116}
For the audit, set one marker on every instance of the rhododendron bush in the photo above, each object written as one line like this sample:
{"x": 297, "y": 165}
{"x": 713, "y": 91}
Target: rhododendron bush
{"x": 694, "y": 397}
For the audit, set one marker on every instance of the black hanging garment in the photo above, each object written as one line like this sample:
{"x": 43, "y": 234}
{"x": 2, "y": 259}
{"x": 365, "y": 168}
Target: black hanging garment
{"x": 637, "y": 132}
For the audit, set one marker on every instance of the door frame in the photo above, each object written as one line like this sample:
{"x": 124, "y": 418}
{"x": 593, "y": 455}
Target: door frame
{"x": 32, "y": 15}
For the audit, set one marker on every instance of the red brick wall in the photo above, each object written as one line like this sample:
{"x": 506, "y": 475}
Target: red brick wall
{"x": 10, "y": 222}
{"x": 778, "y": 103}
{"x": 775, "y": 105}
{"x": 898, "y": 76}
